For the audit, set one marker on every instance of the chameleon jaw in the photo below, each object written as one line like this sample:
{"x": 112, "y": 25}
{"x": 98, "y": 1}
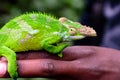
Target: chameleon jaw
{"x": 77, "y": 37}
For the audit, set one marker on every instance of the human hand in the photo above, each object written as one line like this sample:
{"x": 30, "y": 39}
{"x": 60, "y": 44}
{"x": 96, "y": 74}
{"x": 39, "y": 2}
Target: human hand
{"x": 78, "y": 63}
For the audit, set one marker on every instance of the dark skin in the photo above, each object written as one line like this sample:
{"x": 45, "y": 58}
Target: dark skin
{"x": 78, "y": 63}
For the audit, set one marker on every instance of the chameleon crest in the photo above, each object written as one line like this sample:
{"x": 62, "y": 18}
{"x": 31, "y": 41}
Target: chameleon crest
{"x": 37, "y": 31}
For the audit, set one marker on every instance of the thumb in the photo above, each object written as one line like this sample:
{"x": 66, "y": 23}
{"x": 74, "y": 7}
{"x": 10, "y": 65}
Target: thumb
{"x": 3, "y": 68}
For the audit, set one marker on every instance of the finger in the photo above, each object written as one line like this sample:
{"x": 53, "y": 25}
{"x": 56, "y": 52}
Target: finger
{"x": 58, "y": 69}
{"x": 45, "y": 68}
{"x": 77, "y": 52}
{"x": 69, "y": 53}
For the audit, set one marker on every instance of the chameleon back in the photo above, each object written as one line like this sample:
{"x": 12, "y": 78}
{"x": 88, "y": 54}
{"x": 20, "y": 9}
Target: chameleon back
{"x": 27, "y": 31}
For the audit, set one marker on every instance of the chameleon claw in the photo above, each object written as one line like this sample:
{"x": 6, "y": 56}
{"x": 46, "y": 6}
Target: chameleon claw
{"x": 14, "y": 79}
{"x": 60, "y": 55}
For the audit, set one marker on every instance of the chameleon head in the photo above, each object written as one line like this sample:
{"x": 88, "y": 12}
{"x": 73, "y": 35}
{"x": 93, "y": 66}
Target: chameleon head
{"x": 76, "y": 30}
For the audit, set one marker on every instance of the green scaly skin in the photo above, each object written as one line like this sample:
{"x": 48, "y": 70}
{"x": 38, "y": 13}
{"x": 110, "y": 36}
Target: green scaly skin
{"x": 36, "y": 31}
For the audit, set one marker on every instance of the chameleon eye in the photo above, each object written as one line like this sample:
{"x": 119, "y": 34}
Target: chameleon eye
{"x": 72, "y": 31}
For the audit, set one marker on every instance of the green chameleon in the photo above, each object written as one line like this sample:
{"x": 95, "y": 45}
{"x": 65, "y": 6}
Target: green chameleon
{"x": 38, "y": 31}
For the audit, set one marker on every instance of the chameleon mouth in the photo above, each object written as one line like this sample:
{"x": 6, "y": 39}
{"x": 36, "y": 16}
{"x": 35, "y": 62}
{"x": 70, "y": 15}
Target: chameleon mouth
{"x": 77, "y": 37}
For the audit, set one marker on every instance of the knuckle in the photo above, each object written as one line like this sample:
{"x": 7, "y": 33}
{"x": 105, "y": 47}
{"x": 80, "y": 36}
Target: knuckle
{"x": 87, "y": 51}
{"x": 49, "y": 68}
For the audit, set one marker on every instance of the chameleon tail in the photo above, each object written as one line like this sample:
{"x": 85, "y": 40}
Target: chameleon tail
{"x": 11, "y": 58}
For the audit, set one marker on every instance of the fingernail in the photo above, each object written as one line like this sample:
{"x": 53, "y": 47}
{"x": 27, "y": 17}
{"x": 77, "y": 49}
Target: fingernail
{"x": 3, "y": 68}
{"x": 3, "y": 59}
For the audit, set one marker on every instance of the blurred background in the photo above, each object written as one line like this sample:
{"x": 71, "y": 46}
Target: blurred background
{"x": 68, "y": 8}
{"x": 102, "y": 15}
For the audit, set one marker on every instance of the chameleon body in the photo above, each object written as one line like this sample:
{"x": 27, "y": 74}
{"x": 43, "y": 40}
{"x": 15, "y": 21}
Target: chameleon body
{"x": 38, "y": 31}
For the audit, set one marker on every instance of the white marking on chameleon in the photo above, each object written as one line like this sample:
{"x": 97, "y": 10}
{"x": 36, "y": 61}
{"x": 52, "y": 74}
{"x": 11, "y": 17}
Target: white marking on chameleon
{"x": 33, "y": 16}
{"x": 28, "y": 36}
{"x": 56, "y": 33}
{"x": 25, "y": 26}
{"x": 34, "y": 31}
{"x": 47, "y": 26}
{"x": 65, "y": 36}
{"x": 65, "y": 25}
{"x": 21, "y": 41}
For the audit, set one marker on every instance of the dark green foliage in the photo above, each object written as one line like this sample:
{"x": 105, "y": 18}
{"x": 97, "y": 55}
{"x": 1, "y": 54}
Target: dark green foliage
{"x": 67, "y": 8}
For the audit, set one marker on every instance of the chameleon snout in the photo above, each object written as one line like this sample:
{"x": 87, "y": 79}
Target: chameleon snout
{"x": 87, "y": 31}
